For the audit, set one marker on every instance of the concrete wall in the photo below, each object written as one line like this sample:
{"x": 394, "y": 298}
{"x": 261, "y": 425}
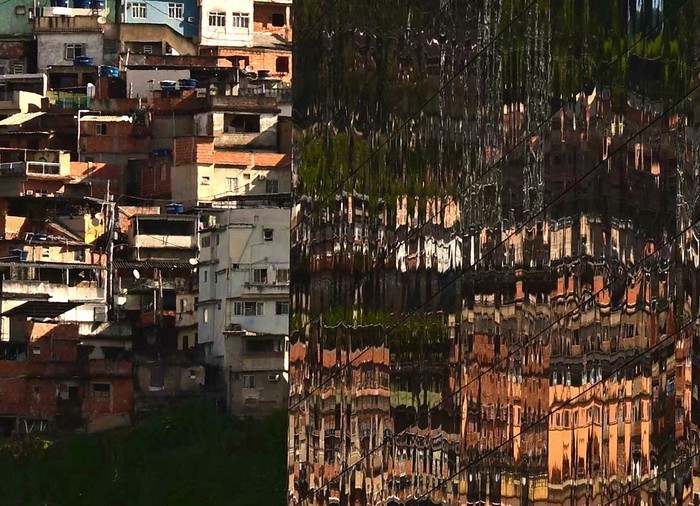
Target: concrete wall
{"x": 242, "y": 243}
{"x": 15, "y": 24}
{"x": 177, "y": 378}
{"x": 157, "y": 13}
{"x": 137, "y": 79}
{"x": 50, "y": 47}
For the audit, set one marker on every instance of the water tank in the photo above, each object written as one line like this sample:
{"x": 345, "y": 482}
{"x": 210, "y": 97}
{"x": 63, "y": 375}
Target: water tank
{"x": 98, "y": 4}
{"x": 168, "y": 85}
{"x": 174, "y": 209}
{"x": 83, "y": 61}
{"x": 59, "y": 3}
{"x": 187, "y": 84}
{"x": 107, "y": 71}
{"x": 81, "y": 4}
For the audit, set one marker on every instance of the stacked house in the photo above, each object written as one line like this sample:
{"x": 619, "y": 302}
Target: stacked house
{"x": 145, "y": 156}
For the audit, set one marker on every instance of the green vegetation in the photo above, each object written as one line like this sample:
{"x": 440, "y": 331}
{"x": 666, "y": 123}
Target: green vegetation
{"x": 189, "y": 456}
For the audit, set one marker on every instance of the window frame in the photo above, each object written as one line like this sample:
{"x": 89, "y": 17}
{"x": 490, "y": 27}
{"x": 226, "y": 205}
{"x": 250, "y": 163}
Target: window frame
{"x": 175, "y": 8}
{"x": 279, "y": 306}
{"x": 248, "y": 381}
{"x": 139, "y": 10}
{"x": 240, "y": 20}
{"x": 219, "y": 19}
{"x": 72, "y": 46}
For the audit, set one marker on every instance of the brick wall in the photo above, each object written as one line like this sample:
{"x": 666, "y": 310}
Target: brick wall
{"x": 262, "y": 59}
{"x": 262, "y": 20}
{"x": 14, "y": 50}
{"x": 155, "y": 179}
{"x": 193, "y": 149}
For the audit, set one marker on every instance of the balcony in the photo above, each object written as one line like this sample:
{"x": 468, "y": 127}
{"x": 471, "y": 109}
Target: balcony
{"x": 31, "y": 169}
{"x": 55, "y": 291}
{"x": 165, "y": 241}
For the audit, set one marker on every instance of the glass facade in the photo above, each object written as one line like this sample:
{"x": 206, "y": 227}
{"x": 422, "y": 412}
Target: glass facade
{"x": 495, "y": 251}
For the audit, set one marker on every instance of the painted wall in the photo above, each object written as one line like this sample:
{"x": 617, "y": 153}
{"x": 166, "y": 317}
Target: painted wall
{"x": 16, "y": 24}
{"x": 51, "y": 49}
{"x": 226, "y": 35}
{"x": 157, "y": 12}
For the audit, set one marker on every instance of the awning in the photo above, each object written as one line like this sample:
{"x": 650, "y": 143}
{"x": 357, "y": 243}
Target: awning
{"x": 41, "y": 309}
{"x": 21, "y": 118}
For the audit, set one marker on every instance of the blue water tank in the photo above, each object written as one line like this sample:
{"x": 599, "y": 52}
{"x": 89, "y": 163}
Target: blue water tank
{"x": 59, "y": 3}
{"x": 81, "y": 4}
{"x": 107, "y": 71}
{"x": 174, "y": 209}
{"x": 187, "y": 84}
{"x": 98, "y": 4}
{"x": 83, "y": 61}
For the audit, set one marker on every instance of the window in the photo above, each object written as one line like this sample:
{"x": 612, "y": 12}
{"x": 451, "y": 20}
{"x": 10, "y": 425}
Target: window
{"x": 283, "y": 275}
{"x": 278, "y": 19}
{"x": 268, "y": 234}
{"x": 72, "y": 51}
{"x": 78, "y": 255}
{"x": 282, "y": 307}
{"x": 217, "y": 19}
{"x": 138, "y": 10}
{"x": 176, "y": 11}
{"x": 36, "y": 349}
{"x": 206, "y": 241}
{"x": 101, "y": 390}
{"x": 272, "y": 186}
{"x": 282, "y": 65}
{"x": 206, "y": 276}
{"x": 241, "y": 20}
{"x": 232, "y": 184}
{"x": 18, "y": 68}
{"x": 248, "y": 308}
{"x": 263, "y": 346}
{"x": 248, "y": 381}
{"x": 205, "y": 315}
{"x": 45, "y": 253}
{"x": 205, "y": 180}
{"x": 259, "y": 275}
{"x": 148, "y": 49}
{"x": 100, "y": 129}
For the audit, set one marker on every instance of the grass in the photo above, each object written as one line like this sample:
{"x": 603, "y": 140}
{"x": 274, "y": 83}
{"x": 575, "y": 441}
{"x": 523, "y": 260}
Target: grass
{"x": 189, "y": 456}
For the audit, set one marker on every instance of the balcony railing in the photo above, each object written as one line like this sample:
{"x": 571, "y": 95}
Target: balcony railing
{"x": 12, "y": 169}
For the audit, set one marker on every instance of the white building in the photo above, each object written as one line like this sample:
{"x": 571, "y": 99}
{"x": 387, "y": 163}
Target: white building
{"x": 244, "y": 304}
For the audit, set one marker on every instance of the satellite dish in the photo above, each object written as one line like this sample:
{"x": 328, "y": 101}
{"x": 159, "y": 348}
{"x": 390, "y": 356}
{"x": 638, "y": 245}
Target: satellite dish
{"x": 249, "y": 68}
{"x": 137, "y": 274}
{"x": 121, "y": 300}
{"x": 101, "y": 20}
{"x": 193, "y": 261}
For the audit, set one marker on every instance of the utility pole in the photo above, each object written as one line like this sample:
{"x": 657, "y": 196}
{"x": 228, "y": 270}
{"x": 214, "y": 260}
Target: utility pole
{"x": 109, "y": 204}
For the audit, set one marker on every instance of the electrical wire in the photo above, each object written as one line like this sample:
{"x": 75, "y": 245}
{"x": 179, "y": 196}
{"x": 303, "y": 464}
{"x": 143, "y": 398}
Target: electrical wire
{"x": 415, "y": 232}
{"x": 552, "y": 411}
{"x": 518, "y": 348}
{"x": 394, "y": 132}
{"x": 569, "y": 189}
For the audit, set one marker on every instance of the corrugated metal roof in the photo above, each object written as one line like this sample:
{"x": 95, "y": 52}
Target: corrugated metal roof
{"x": 20, "y": 118}
{"x": 152, "y": 264}
{"x": 105, "y": 119}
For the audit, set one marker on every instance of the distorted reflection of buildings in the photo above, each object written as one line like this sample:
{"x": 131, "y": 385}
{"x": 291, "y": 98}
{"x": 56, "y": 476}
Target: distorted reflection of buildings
{"x": 471, "y": 330}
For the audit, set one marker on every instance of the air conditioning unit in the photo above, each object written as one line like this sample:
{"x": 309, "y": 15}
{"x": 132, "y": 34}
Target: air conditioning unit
{"x": 29, "y": 193}
{"x": 273, "y": 377}
{"x": 100, "y": 314}
{"x": 234, "y": 327}
{"x": 261, "y": 177}
{"x": 190, "y": 19}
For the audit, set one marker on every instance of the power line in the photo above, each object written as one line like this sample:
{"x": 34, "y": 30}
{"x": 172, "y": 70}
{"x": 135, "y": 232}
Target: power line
{"x": 394, "y": 132}
{"x": 415, "y": 232}
{"x": 552, "y": 411}
{"x": 506, "y": 239}
{"x": 520, "y": 347}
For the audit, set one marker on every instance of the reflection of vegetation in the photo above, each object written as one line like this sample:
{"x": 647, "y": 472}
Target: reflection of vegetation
{"x": 183, "y": 457}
